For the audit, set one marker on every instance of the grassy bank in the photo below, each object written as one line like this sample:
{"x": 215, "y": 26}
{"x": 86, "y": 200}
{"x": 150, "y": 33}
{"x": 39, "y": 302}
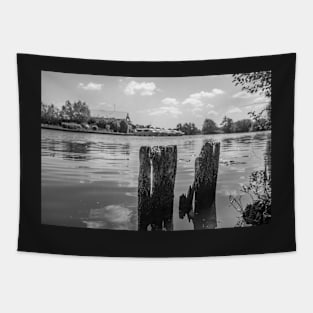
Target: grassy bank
{"x": 103, "y": 131}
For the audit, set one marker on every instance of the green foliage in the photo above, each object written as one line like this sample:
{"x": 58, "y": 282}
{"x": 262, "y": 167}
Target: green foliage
{"x": 50, "y": 114}
{"x": 76, "y": 112}
{"x": 227, "y": 124}
{"x": 123, "y": 127}
{"x": 101, "y": 123}
{"x": 91, "y": 121}
{"x": 241, "y": 126}
{"x": 255, "y": 82}
{"x": 209, "y": 126}
{"x": 261, "y": 121}
{"x": 188, "y": 128}
{"x": 258, "y": 211}
{"x": 114, "y": 125}
{"x": 244, "y": 125}
{"x": 71, "y": 125}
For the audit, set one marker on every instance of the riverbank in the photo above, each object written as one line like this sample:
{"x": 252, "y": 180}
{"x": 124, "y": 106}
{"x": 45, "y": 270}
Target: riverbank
{"x": 150, "y": 134}
{"x": 104, "y": 132}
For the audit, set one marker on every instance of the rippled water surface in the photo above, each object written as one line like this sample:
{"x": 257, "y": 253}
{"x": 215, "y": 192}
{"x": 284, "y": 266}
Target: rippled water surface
{"x": 90, "y": 180}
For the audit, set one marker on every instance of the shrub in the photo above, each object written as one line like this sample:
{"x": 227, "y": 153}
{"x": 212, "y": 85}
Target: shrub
{"x": 258, "y": 211}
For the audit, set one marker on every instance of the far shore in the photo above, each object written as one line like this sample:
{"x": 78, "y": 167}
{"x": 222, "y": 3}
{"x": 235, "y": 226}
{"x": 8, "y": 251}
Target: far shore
{"x": 103, "y": 132}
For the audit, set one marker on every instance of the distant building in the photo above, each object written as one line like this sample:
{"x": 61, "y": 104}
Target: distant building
{"x": 117, "y": 115}
{"x": 112, "y": 116}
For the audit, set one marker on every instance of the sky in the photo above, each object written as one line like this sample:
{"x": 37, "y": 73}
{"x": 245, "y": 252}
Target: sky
{"x": 158, "y": 101}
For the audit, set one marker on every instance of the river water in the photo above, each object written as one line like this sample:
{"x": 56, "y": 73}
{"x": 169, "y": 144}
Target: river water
{"x": 90, "y": 180}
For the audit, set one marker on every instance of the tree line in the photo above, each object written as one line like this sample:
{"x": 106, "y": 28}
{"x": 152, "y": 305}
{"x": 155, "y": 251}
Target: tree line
{"x": 255, "y": 123}
{"x": 78, "y": 113}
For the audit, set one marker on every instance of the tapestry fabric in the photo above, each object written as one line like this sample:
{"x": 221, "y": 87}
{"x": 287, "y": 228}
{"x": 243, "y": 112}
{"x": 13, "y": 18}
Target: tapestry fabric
{"x": 156, "y": 159}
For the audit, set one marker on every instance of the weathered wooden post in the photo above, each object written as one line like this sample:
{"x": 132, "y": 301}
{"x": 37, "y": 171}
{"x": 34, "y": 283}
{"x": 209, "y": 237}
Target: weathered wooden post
{"x": 156, "y": 187}
{"x": 268, "y": 158}
{"x": 203, "y": 189}
{"x": 144, "y": 188}
{"x": 206, "y": 170}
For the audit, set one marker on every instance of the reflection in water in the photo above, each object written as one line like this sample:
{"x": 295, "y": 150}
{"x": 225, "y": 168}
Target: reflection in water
{"x": 109, "y": 217}
{"x": 75, "y": 150}
{"x": 90, "y": 180}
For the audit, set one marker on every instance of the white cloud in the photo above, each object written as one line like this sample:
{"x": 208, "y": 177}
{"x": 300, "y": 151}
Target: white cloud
{"x": 261, "y": 100}
{"x": 196, "y": 100}
{"x": 202, "y": 94}
{"x": 90, "y": 86}
{"x": 207, "y": 94}
{"x": 256, "y": 106}
{"x": 143, "y": 88}
{"x": 193, "y": 102}
{"x": 196, "y": 109}
{"x": 218, "y": 91}
{"x": 242, "y": 95}
{"x": 172, "y": 110}
{"x": 212, "y": 112}
{"x": 170, "y": 101}
{"x": 234, "y": 110}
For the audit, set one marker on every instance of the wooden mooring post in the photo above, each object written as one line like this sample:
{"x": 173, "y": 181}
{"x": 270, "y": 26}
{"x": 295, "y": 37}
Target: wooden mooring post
{"x": 156, "y": 183}
{"x": 203, "y": 189}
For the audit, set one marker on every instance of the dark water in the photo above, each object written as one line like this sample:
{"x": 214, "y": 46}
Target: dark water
{"x": 90, "y": 180}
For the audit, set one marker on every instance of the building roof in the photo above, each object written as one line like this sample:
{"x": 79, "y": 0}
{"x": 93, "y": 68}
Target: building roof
{"x": 109, "y": 114}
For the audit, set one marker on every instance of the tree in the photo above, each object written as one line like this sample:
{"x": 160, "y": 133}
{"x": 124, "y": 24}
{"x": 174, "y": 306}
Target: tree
{"x": 123, "y": 127}
{"x": 50, "y": 114}
{"x": 227, "y": 124}
{"x": 241, "y": 126}
{"x": 92, "y": 121}
{"x": 114, "y": 125}
{"x": 259, "y": 123}
{"x": 255, "y": 82}
{"x": 101, "y": 123}
{"x": 209, "y": 126}
{"x": 179, "y": 126}
{"x": 76, "y": 112}
{"x": 188, "y": 128}
{"x": 44, "y": 110}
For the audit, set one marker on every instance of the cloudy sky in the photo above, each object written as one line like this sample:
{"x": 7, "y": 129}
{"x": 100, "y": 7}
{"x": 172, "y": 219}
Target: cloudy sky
{"x": 162, "y": 102}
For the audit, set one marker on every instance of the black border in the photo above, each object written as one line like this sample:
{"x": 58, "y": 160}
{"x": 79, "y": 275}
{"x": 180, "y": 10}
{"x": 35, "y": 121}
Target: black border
{"x": 277, "y": 236}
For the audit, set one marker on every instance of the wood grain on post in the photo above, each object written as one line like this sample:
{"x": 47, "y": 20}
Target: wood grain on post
{"x": 144, "y": 188}
{"x": 156, "y": 198}
{"x": 206, "y": 170}
{"x": 203, "y": 189}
